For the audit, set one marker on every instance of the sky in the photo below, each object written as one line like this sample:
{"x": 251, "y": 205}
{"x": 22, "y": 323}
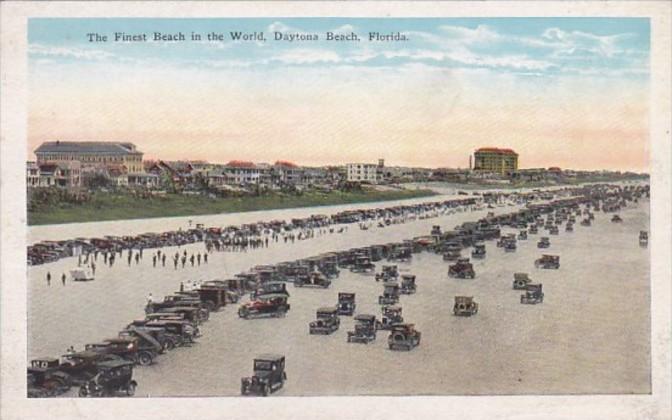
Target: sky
{"x": 567, "y": 92}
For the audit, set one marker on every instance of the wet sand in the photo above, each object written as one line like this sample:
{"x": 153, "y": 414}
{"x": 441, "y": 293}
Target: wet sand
{"x": 591, "y": 334}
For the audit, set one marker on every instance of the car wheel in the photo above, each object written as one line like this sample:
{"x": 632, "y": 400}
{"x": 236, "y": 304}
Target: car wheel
{"x": 83, "y": 392}
{"x": 266, "y": 390}
{"x": 169, "y": 344}
{"x": 130, "y": 389}
{"x": 144, "y": 358}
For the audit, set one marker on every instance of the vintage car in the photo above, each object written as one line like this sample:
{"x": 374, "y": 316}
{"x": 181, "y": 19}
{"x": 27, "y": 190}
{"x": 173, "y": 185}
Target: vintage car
{"x": 408, "y": 286}
{"x": 180, "y": 332}
{"x": 82, "y": 274}
{"x": 544, "y": 242}
{"x": 270, "y": 287}
{"x": 155, "y": 333}
{"x": 520, "y": 281}
{"x": 326, "y": 322}
{"x": 390, "y": 293}
{"x": 548, "y": 262}
{"x": 585, "y": 222}
{"x": 315, "y": 279}
{"x": 191, "y": 307}
{"x": 137, "y": 349}
{"x": 46, "y": 379}
{"x": 215, "y": 294}
{"x": 363, "y": 265}
{"x": 401, "y": 254}
{"x": 269, "y": 376}
{"x": 113, "y": 376}
{"x": 403, "y": 337}
{"x": 346, "y": 303}
{"x": 643, "y": 238}
{"x": 391, "y": 316}
{"x": 569, "y": 227}
{"x": 271, "y": 305}
{"x": 193, "y": 314}
{"x": 522, "y": 236}
{"x": 478, "y": 252}
{"x": 533, "y": 230}
{"x": 465, "y": 306}
{"x": 462, "y": 269}
{"x": 533, "y": 294}
{"x": 81, "y": 366}
{"x": 616, "y": 218}
{"x": 390, "y": 272}
{"x": 365, "y": 329}
{"x": 436, "y": 230}
{"x": 554, "y": 230}
{"x": 510, "y": 245}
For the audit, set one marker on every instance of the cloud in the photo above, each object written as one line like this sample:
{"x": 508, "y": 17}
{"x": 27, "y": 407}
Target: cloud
{"x": 307, "y": 56}
{"x": 577, "y": 41}
{"x": 68, "y": 52}
{"x": 344, "y": 29}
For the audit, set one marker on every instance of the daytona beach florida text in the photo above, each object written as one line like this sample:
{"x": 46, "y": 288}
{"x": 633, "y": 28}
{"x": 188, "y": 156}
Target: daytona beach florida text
{"x": 244, "y": 36}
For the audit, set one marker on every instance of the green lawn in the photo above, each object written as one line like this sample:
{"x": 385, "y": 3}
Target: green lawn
{"x": 111, "y": 206}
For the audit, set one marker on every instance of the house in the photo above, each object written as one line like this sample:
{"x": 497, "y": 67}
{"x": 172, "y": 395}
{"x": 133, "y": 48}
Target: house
{"x": 62, "y": 174}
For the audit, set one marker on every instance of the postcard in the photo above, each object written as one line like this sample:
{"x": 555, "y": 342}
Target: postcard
{"x": 329, "y": 210}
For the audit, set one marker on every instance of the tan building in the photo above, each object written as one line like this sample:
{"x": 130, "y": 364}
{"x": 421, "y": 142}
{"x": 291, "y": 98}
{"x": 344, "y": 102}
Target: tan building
{"x": 493, "y": 159}
{"x": 92, "y": 154}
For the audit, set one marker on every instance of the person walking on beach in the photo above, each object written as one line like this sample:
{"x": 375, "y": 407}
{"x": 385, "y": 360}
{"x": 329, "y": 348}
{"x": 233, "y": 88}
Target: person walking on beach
{"x": 192, "y": 260}
{"x": 105, "y": 257}
{"x": 181, "y": 286}
{"x": 48, "y": 278}
{"x": 63, "y": 279}
{"x": 111, "y": 260}
{"x": 137, "y": 258}
{"x": 205, "y": 258}
{"x": 93, "y": 268}
{"x": 130, "y": 257}
{"x": 184, "y": 260}
{"x": 163, "y": 260}
{"x": 175, "y": 262}
{"x": 154, "y": 261}
{"x": 198, "y": 258}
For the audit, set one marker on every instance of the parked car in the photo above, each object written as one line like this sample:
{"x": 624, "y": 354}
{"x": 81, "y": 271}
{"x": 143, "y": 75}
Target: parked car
{"x": 544, "y": 242}
{"x": 408, "y": 286}
{"x": 465, "y": 306}
{"x": 113, "y": 377}
{"x": 346, "y": 303}
{"x": 269, "y": 376}
{"x": 140, "y": 350}
{"x": 365, "y": 329}
{"x": 520, "y": 281}
{"x": 522, "y": 236}
{"x": 548, "y": 261}
{"x": 403, "y": 337}
{"x": 313, "y": 280}
{"x": 462, "y": 269}
{"x": 390, "y": 272}
{"x": 327, "y": 321}
{"x": 451, "y": 255}
{"x": 363, "y": 265}
{"x": 585, "y": 222}
{"x": 533, "y": 294}
{"x": 390, "y": 293}
{"x": 478, "y": 252}
{"x": 270, "y": 287}
{"x": 179, "y": 332}
{"x": 45, "y": 379}
{"x": 391, "y": 316}
{"x": 271, "y": 305}
{"x": 82, "y": 274}
{"x": 643, "y": 238}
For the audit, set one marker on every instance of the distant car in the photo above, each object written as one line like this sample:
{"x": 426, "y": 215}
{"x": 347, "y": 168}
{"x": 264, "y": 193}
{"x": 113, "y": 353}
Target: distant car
{"x": 408, "y": 286}
{"x": 533, "y": 294}
{"x": 272, "y": 305}
{"x": 643, "y": 238}
{"x": 269, "y": 376}
{"x": 403, "y": 337}
{"x": 313, "y": 280}
{"x": 327, "y": 321}
{"x": 544, "y": 242}
{"x": 391, "y": 316}
{"x": 346, "y": 303}
{"x": 390, "y": 272}
{"x": 522, "y": 236}
{"x": 520, "y": 281}
{"x": 82, "y": 274}
{"x": 462, "y": 269}
{"x": 465, "y": 306}
{"x": 548, "y": 262}
{"x": 365, "y": 329}
{"x": 585, "y": 222}
{"x": 363, "y": 265}
{"x": 478, "y": 252}
{"x": 616, "y": 219}
{"x": 390, "y": 294}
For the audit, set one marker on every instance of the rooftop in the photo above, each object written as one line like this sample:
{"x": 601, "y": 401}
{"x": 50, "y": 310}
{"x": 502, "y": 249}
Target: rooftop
{"x": 497, "y": 150}
{"x": 101, "y": 147}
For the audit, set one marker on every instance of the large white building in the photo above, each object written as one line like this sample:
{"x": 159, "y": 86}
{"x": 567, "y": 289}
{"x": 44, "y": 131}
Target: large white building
{"x": 363, "y": 172}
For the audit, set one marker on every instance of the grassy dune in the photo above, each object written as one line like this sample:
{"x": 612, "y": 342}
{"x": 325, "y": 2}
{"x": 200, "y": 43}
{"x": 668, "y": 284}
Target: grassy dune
{"x": 111, "y": 206}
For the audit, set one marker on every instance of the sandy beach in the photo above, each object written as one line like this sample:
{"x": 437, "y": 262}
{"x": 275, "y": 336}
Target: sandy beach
{"x": 591, "y": 334}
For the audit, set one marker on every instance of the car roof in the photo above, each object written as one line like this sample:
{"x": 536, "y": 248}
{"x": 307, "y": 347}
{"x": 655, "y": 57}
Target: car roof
{"x": 365, "y": 317}
{"x": 329, "y": 309}
{"x": 270, "y": 357}
{"x": 110, "y": 364}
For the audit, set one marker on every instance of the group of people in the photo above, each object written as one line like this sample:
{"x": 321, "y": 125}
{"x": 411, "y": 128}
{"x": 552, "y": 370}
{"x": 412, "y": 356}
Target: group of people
{"x": 63, "y": 278}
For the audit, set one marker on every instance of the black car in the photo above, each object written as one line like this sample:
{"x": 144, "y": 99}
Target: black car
{"x": 365, "y": 329}
{"x": 113, "y": 376}
{"x": 346, "y": 303}
{"x": 269, "y": 376}
{"x": 327, "y": 321}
